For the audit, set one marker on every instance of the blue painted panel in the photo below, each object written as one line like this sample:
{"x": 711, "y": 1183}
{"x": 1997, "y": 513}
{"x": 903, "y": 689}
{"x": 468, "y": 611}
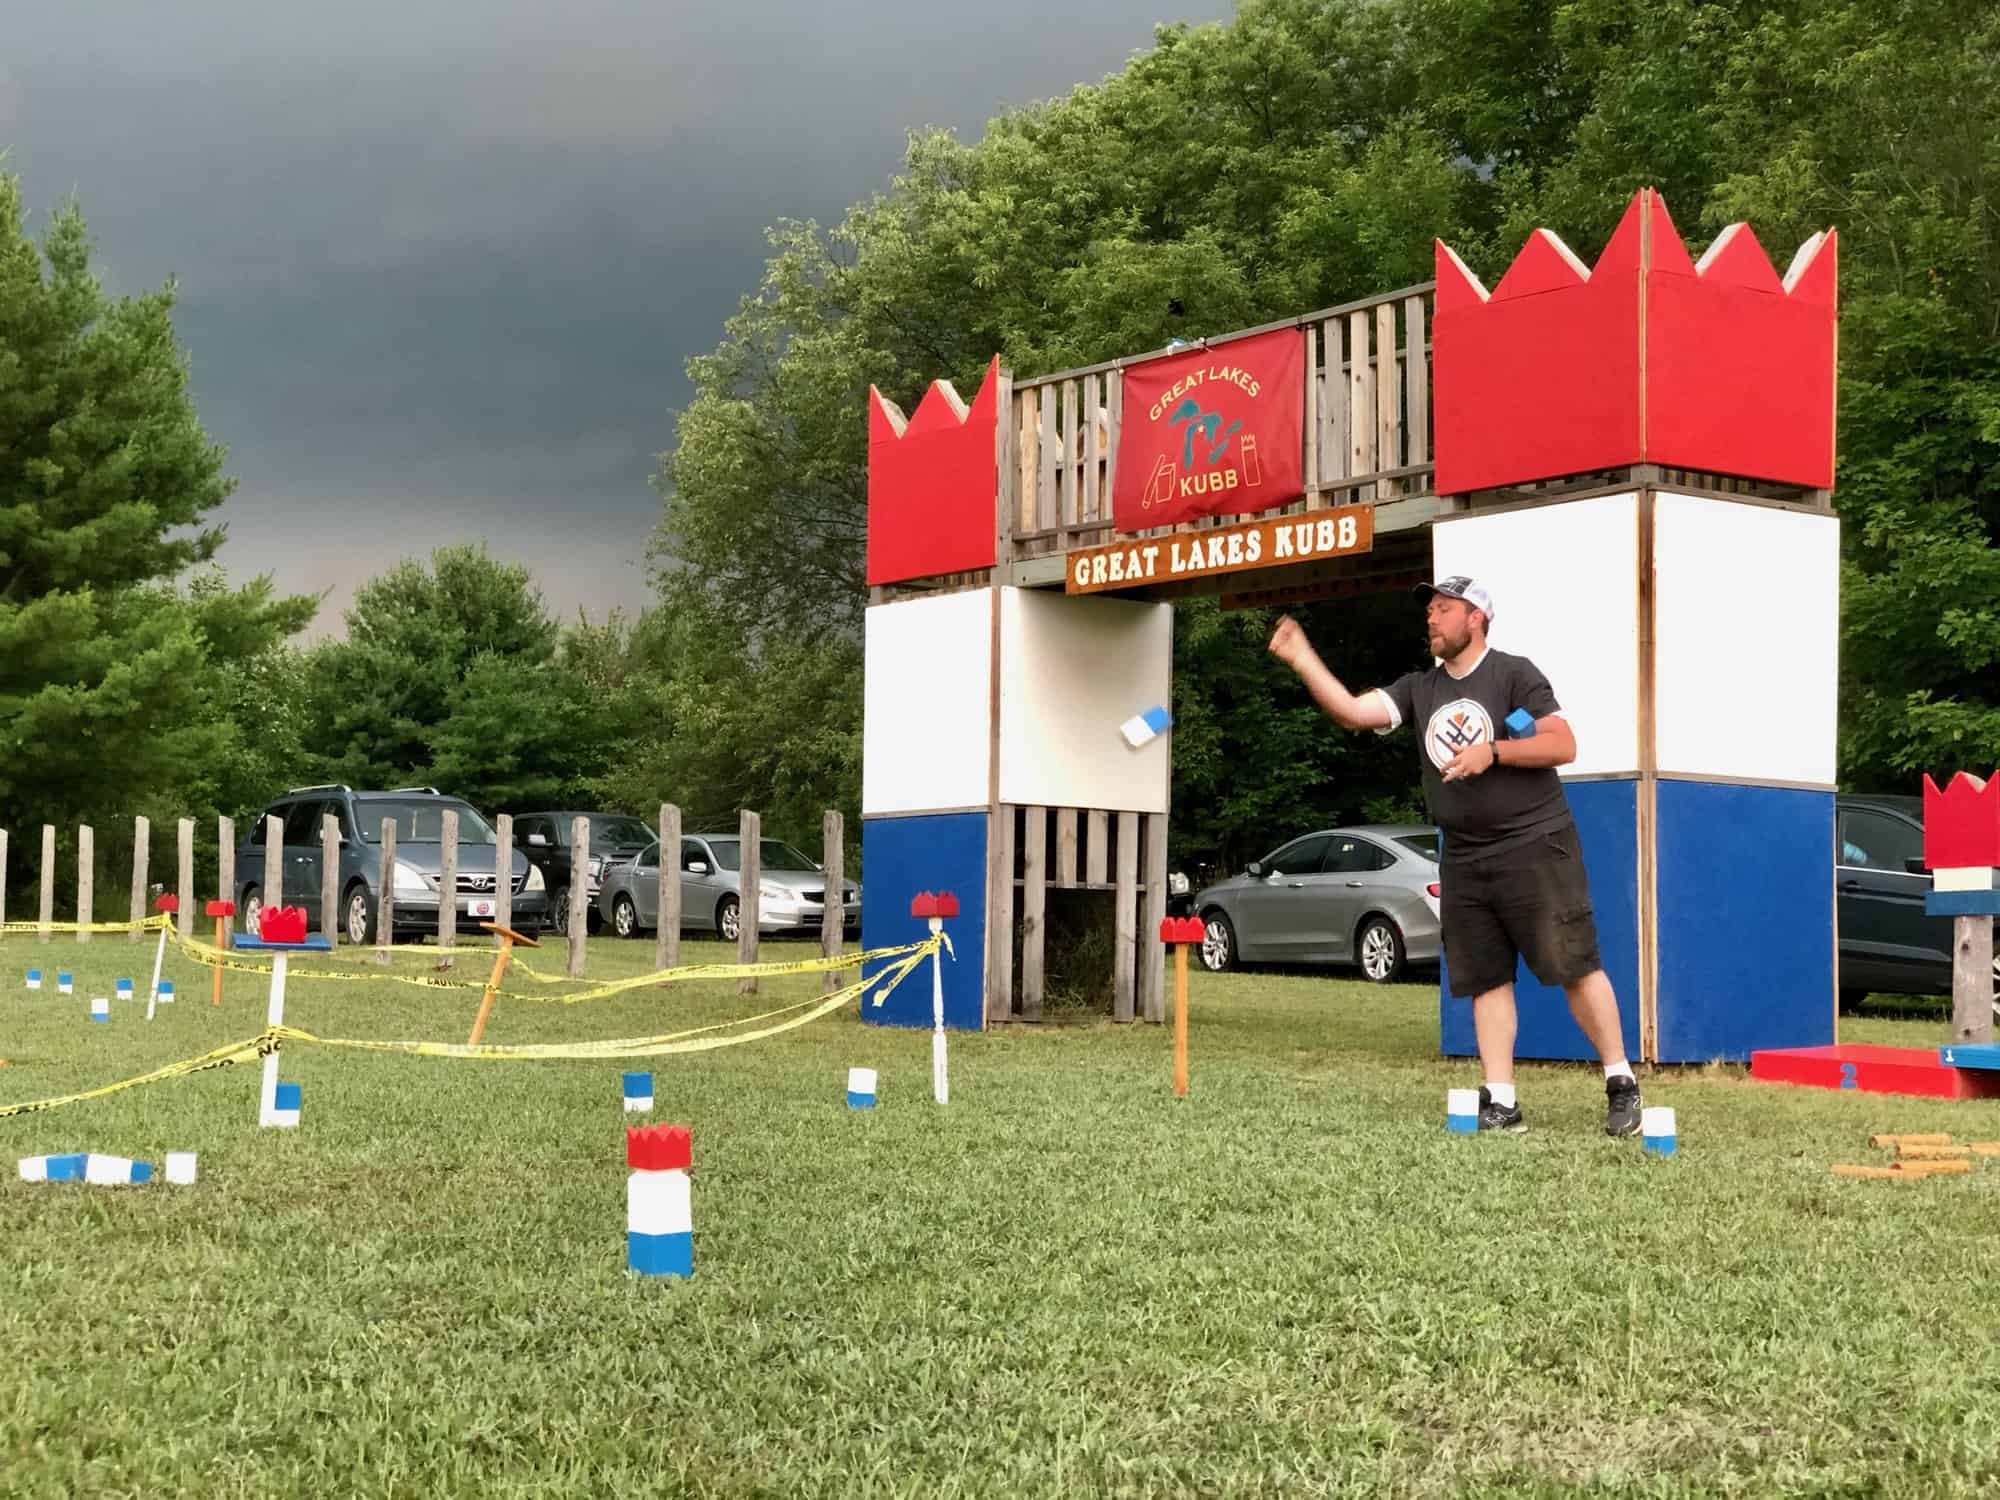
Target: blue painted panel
{"x": 1607, "y": 821}
{"x": 1970, "y": 1055}
{"x": 1745, "y": 903}
{"x": 1962, "y": 904}
{"x": 901, "y": 856}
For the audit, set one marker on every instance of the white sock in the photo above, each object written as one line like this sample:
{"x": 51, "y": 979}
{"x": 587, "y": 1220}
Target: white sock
{"x": 1502, "y": 1094}
{"x": 1619, "y": 1069}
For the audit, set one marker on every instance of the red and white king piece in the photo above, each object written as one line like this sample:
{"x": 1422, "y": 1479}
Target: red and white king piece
{"x": 1962, "y": 851}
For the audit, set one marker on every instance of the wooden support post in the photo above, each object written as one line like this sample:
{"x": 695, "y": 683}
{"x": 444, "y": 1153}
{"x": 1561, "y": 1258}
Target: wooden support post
{"x": 1034, "y": 907}
{"x": 749, "y": 872}
{"x": 578, "y": 893}
{"x": 48, "y": 878}
{"x": 448, "y": 885}
{"x": 272, "y": 892}
{"x": 329, "y": 877}
{"x": 385, "y": 903}
{"x": 1972, "y": 980}
{"x": 225, "y": 873}
{"x": 1096, "y": 847}
{"x": 1065, "y": 846}
{"x": 667, "y": 935}
{"x": 999, "y": 915}
{"x": 503, "y": 871}
{"x": 184, "y": 918}
{"x": 833, "y": 917}
{"x": 1125, "y": 929}
{"x": 86, "y": 865}
{"x": 141, "y": 833}
{"x": 1152, "y": 953}
{"x": 3, "y": 888}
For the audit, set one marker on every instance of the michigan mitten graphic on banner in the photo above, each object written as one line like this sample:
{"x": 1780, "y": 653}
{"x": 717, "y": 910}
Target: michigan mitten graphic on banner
{"x": 1211, "y": 432}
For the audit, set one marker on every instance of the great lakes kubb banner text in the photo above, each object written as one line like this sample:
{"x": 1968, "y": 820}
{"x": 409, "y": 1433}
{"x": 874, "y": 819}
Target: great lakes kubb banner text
{"x": 1211, "y": 432}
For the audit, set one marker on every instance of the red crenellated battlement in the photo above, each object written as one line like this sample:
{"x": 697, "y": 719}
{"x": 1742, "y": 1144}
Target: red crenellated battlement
{"x": 1718, "y": 365}
{"x": 1962, "y": 823}
{"x": 933, "y": 482}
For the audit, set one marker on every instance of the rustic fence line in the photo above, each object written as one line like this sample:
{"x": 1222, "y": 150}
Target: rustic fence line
{"x": 347, "y": 927}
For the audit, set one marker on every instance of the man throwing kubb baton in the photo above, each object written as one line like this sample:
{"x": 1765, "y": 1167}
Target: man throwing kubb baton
{"x": 1512, "y": 864}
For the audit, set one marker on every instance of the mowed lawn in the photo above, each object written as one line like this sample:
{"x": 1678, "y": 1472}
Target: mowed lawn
{"x": 1066, "y": 1282}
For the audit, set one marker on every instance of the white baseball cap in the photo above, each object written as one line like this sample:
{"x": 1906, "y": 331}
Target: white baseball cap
{"x": 1458, "y": 586}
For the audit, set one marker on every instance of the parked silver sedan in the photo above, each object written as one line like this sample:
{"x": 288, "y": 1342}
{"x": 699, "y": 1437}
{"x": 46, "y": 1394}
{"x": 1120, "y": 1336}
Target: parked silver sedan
{"x": 1365, "y": 895}
{"x": 791, "y": 890}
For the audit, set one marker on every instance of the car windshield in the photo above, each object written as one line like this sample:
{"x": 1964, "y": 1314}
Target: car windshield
{"x": 619, "y": 832}
{"x": 420, "y": 820}
{"x": 772, "y": 854}
{"x": 1425, "y": 844}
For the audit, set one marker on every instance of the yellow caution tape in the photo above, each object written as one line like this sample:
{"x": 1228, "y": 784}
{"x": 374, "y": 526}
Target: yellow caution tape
{"x": 162, "y": 920}
{"x": 697, "y": 1039}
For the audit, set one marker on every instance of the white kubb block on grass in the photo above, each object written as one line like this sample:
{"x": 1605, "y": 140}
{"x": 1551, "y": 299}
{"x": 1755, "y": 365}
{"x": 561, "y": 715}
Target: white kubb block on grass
{"x": 860, "y": 1088}
{"x": 1657, "y": 1130}
{"x": 181, "y": 1167}
{"x": 1461, "y": 1111}
{"x": 100, "y": 1009}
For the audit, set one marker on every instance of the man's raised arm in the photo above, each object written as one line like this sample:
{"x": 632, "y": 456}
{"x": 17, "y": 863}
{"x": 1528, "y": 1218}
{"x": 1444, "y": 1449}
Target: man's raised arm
{"x": 1290, "y": 646}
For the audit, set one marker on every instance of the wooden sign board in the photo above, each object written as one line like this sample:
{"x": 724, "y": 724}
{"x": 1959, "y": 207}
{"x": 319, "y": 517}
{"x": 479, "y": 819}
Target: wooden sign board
{"x": 1276, "y": 543}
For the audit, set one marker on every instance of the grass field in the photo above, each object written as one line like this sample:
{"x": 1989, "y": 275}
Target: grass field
{"x": 1292, "y": 1282}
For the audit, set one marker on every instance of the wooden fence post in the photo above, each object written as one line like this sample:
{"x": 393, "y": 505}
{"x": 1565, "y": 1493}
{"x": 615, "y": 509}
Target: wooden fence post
{"x": 578, "y": 894}
{"x": 184, "y": 919}
{"x": 329, "y": 877}
{"x": 86, "y": 868}
{"x": 3, "y": 885}
{"x": 833, "y": 918}
{"x": 1034, "y": 910}
{"x": 1152, "y": 952}
{"x": 225, "y": 874}
{"x": 274, "y": 862}
{"x": 141, "y": 832}
{"x": 503, "y": 871}
{"x": 749, "y": 871}
{"x": 667, "y": 937}
{"x": 1125, "y": 921}
{"x": 385, "y": 901}
{"x": 48, "y": 878}
{"x": 448, "y": 885}
{"x": 1972, "y": 980}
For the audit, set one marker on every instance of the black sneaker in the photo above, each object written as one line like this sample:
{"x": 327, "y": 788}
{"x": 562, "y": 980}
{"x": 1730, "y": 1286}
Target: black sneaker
{"x": 1621, "y": 1108}
{"x": 1500, "y": 1116}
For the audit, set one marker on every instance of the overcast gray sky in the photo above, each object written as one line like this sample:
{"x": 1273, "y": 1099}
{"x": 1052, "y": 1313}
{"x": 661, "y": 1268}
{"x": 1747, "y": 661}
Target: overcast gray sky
{"x": 442, "y": 264}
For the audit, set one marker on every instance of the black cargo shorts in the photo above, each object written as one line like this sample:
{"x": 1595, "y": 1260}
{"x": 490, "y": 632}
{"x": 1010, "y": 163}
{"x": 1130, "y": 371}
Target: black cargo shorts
{"x": 1531, "y": 903}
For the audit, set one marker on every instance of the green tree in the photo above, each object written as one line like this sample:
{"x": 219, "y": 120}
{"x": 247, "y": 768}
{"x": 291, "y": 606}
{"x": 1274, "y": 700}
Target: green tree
{"x": 116, "y": 669}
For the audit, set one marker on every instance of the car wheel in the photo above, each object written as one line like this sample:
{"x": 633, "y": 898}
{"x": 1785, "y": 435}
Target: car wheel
{"x": 625, "y": 917}
{"x": 252, "y": 907}
{"x": 360, "y": 916}
{"x": 726, "y": 924}
{"x": 1218, "y": 943}
{"x": 1380, "y": 947}
{"x": 559, "y": 918}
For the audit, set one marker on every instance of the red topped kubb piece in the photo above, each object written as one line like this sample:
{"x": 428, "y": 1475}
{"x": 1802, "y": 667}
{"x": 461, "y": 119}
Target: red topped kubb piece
{"x": 933, "y": 482}
{"x": 282, "y": 924}
{"x": 1649, "y": 357}
{"x": 222, "y": 908}
{"x": 658, "y": 1148}
{"x": 1183, "y": 930}
{"x": 939, "y": 904}
{"x": 168, "y": 902}
{"x": 1962, "y": 823}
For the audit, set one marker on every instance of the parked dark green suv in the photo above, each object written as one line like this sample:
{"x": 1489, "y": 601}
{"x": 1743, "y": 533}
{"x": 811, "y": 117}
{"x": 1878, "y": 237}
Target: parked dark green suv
{"x": 419, "y": 817}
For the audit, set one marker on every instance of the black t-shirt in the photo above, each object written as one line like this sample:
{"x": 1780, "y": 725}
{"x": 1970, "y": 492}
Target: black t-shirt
{"x": 1506, "y": 806}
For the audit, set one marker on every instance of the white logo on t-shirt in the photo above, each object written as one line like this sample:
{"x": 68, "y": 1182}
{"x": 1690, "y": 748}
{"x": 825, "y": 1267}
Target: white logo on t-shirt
{"x": 1456, "y": 726}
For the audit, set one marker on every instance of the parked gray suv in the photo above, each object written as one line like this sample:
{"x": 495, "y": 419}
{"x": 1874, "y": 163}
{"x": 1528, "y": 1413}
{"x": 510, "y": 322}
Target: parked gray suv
{"x": 419, "y": 814}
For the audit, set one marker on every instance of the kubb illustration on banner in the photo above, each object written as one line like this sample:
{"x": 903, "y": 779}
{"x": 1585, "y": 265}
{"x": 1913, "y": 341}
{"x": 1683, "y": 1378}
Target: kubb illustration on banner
{"x": 1212, "y": 432}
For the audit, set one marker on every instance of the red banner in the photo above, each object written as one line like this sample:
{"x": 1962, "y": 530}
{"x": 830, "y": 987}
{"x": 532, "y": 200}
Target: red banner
{"x": 1211, "y": 432}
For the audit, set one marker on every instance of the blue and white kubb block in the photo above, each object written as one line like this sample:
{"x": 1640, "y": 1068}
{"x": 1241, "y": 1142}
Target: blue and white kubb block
{"x": 65, "y": 984}
{"x": 1461, "y": 1111}
{"x": 285, "y": 1107}
{"x": 638, "y": 1091}
{"x": 100, "y": 1009}
{"x": 115, "y": 1171}
{"x": 166, "y": 992}
{"x": 34, "y": 979}
{"x": 1143, "y": 728}
{"x": 123, "y": 989}
{"x": 1521, "y": 724}
{"x": 860, "y": 1088}
{"x": 1657, "y": 1131}
{"x": 64, "y": 1167}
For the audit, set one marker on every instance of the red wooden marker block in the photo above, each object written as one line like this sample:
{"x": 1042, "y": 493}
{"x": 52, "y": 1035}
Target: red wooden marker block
{"x": 938, "y": 904}
{"x": 282, "y": 924}
{"x": 167, "y": 902}
{"x": 222, "y": 908}
{"x": 658, "y": 1148}
{"x": 1962, "y": 823}
{"x": 1183, "y": 930}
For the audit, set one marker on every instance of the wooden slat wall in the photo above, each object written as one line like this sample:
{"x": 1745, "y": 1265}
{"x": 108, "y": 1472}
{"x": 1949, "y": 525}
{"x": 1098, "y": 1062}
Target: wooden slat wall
{"x": 1125, "y": 929}
{"x": 1034, "y": 907}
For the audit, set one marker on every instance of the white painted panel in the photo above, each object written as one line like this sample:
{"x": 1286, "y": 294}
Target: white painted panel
{"x": 1072, "y": 670}
{"x": 1748, "y": 632}
{"x": 926, "y": 737}
{"x": 1565, "y": 586}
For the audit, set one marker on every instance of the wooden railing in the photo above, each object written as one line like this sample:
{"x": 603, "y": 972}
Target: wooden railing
{"x": 1367, "y": 426}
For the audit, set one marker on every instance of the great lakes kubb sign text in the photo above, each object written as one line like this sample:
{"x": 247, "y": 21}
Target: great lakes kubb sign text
{"x": 1255, "y": 544}
{"x": 1211, "y": 432}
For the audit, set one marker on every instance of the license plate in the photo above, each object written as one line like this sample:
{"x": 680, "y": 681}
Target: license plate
{"x": 482, "y": 908}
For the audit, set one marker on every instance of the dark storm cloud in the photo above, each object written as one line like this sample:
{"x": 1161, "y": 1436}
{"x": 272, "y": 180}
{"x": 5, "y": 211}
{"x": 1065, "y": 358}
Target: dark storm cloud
{"x": 441, "y": 265}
